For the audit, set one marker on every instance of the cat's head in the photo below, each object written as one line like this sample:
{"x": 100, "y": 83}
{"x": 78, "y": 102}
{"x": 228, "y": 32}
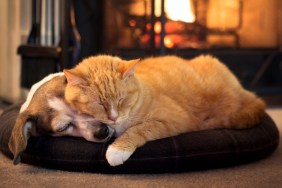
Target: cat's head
{"x": 104, "y": 87}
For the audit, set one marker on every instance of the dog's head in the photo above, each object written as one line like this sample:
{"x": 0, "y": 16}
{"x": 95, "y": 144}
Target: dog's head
{"x": 46, "y": 112}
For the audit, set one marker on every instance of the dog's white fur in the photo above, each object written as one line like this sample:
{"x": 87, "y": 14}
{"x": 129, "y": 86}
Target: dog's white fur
{"x": 35, "y": 87}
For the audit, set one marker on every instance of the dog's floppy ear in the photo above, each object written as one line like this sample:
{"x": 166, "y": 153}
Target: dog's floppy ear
{"x": 23, "y": 129}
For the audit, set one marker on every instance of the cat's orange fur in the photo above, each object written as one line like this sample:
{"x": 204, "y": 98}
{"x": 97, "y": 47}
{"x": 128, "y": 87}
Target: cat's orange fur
{"x": 159, "y": 97}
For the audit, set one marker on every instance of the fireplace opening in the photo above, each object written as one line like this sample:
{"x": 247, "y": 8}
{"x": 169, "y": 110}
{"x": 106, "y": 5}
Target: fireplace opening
{"x": 190, "y": 24}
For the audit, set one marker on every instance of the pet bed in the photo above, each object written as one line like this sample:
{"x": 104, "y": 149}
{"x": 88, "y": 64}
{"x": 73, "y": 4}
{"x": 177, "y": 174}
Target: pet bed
{"x": 186, "y": 152}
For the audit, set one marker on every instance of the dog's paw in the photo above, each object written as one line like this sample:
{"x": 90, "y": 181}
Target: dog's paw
{"x": 116, "y": 156}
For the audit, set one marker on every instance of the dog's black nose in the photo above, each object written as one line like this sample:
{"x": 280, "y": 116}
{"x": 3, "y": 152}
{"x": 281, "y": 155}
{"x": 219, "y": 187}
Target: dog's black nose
{"x": 102, "y": 132}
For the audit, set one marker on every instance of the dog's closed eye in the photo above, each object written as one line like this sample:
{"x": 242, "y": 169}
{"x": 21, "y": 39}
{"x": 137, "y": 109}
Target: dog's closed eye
{"x": 65, "y": 127}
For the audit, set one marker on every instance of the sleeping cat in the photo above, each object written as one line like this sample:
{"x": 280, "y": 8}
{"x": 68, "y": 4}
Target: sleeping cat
{"x": 154, "y": 98}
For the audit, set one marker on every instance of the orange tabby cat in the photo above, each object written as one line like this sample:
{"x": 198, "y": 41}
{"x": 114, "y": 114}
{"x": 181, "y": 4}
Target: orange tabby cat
{"x": 159, "y": 97}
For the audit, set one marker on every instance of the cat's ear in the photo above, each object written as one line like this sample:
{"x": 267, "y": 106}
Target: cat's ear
{"x": 129, "y": 68}
{"x": 73, "y": 79}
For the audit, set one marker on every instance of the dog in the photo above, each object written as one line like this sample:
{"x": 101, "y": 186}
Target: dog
{"x": 45, "y": 112}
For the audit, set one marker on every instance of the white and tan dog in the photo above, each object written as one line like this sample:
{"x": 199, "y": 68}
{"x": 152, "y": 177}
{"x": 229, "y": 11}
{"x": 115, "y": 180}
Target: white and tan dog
{"x": 45, "y": 111}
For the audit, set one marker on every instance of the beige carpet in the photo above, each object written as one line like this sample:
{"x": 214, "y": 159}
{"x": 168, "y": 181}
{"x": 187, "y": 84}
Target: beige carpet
{"x": 266, "y": 173}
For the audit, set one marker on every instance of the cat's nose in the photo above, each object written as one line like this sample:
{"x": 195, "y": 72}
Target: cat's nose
{"x": 112, "y": 117}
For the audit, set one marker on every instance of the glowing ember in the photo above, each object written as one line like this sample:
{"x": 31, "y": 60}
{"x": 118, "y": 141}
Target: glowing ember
{"x": 158, "y": 27}
{"x": 132, "y": 23}
{"x": 168, "y": 42}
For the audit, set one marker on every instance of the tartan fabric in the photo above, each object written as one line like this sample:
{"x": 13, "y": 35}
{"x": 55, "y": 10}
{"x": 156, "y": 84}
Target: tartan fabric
{"x": 186, "y": 152}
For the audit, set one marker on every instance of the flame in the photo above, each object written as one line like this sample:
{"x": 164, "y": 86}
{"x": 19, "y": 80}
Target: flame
{"x": 168, "y": 42}
{"x": 158, "y": 27}
{"x": 177, "y": 10}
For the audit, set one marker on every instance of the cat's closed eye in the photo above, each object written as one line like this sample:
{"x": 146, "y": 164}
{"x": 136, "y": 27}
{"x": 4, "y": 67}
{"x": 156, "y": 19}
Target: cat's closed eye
{"x": 102, "y": 105}
{"x": 120, "y": 100}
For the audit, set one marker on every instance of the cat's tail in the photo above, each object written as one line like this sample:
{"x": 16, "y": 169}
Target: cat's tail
{"x": 250, "y": 113}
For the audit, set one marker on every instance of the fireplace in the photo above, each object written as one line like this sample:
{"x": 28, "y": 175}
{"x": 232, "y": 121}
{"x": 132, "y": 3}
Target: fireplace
{"x": 172, "y": 25}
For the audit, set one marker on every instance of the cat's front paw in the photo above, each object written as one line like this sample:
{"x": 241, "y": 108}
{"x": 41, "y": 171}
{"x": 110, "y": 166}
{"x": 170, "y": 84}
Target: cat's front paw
{"x": 116, "y": 156}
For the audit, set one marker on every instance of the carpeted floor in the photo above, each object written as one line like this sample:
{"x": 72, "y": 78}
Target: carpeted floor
{"x": 259, "y": 174}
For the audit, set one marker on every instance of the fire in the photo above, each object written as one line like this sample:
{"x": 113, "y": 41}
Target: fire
{"x": 177, "y": 10}
{"x": 168, "y": 42}
{"x": 158, "y": 27}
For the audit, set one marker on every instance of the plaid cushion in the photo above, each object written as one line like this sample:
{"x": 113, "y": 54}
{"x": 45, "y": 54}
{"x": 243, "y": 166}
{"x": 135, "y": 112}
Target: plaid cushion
{"x": 186, "y": 152}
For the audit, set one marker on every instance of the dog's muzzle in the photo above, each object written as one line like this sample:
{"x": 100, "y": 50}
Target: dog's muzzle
{"x": 104, "y": 132}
